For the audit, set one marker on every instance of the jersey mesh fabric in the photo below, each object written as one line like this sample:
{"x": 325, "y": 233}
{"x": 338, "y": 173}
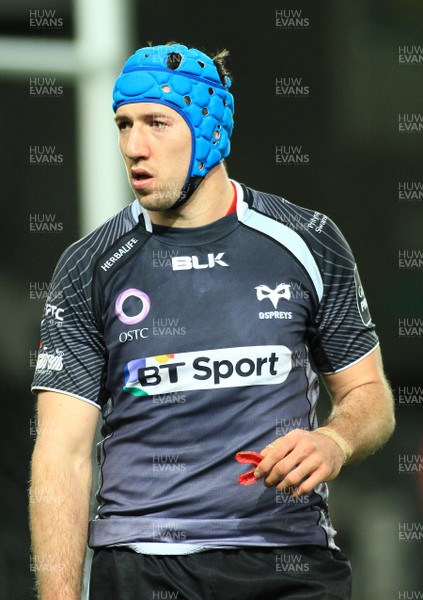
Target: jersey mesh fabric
{"x": 196, "y": 344}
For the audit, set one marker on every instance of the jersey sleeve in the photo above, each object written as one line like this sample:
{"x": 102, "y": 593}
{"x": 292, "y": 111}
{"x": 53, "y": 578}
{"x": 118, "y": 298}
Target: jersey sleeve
{"x": 342, "y": 331}
{"x": 71, "y": 357}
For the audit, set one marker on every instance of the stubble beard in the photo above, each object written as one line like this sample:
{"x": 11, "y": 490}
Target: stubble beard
{"x": 159, "y": 199}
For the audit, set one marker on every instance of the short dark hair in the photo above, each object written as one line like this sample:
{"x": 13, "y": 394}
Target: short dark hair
{"x": 219, "y": 60}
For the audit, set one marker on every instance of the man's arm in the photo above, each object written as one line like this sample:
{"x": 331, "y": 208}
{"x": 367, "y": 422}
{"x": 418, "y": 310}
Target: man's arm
{"x": 363, "y": 414}
{"x": 61, "y": 476}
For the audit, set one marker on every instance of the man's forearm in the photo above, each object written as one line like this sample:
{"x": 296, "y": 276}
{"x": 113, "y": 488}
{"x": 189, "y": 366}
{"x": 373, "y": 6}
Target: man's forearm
{"x": 364, "y": 418}
{"x": 59, "y": 514}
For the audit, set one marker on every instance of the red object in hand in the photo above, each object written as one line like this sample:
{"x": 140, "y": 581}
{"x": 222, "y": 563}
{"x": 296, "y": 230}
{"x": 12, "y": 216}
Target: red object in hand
{"x": 249, "y": 458}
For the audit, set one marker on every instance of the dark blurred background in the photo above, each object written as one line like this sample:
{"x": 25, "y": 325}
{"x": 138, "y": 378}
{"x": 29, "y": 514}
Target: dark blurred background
{"x": 339, "y": 86}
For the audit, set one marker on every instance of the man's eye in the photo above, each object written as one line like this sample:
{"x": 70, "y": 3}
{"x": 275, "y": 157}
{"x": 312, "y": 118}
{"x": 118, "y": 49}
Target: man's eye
{"x": 122, "y": 125}
{"x": 159, "y": 124}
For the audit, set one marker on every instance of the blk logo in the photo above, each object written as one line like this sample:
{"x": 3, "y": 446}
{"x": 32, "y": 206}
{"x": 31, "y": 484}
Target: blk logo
{"x": 185, "y": 263}
{"x": 283, "y": 290}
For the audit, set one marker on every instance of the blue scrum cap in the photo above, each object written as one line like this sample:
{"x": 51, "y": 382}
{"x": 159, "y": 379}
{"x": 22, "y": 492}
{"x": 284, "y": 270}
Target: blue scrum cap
{"x": 188, "y": 81}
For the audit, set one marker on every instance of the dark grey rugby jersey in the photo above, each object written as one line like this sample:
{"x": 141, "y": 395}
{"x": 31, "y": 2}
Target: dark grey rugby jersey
{"x": 196, "y": 344}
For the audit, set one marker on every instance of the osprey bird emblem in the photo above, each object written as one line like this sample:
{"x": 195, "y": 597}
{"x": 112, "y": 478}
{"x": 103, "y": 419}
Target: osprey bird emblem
{"x": 283, "y": 290}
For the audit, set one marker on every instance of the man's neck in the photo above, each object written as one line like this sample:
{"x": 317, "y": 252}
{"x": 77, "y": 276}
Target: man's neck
{"x": 208, "y": 203}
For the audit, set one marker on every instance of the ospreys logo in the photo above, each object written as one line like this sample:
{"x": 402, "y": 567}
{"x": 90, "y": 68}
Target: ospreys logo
{"x": 283, "y": 290}
{"x": 208, "y": 369}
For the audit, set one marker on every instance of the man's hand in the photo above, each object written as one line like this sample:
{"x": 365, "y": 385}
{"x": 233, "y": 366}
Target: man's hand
{"x": 362, "y": 418}
{"x": 299, "y": 461}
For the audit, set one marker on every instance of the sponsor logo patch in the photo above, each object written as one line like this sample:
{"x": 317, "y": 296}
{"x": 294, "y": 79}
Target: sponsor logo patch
{"x": 362, "y": 306}
{"x": 132, "y": 301}
{"x": 208, "y": 369}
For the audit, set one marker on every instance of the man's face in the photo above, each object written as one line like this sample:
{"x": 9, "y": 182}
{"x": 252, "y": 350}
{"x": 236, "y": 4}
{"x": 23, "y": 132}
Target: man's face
{"x": 155, "y": 143}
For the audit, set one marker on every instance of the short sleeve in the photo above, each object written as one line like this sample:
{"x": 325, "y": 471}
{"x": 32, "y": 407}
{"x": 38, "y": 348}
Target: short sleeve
{"x": 342, "y": 331}
{"x": 71, "y": 357}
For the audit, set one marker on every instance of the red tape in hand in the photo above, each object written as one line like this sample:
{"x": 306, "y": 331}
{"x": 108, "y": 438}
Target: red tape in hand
{"x": 248, "y": 458}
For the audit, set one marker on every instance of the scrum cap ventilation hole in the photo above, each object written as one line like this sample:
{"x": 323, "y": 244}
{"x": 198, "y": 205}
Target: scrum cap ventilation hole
{"x": 174, "y": 60}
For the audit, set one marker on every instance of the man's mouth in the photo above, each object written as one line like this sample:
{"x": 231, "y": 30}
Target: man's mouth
{"x": 140, "y": 179}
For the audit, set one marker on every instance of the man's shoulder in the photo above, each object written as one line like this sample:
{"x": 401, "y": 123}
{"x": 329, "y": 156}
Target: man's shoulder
{"x": 89, "y": 248}
{"x": 303, "y": 230}
{"x": 306, "y": 222}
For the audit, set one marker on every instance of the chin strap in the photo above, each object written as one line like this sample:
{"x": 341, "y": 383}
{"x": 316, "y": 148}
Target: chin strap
{"x": 188, "y": 190}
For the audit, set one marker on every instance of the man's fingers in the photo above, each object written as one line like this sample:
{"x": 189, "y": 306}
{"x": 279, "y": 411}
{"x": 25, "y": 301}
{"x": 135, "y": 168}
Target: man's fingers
{"x": 292, "y": 470}
{"x": 300, "y": 477}
{"x": 299, "y": 461}
{"x": 306, "y": 486}
{"x": 284, "y": 458}
{"x": 274, "y": 452}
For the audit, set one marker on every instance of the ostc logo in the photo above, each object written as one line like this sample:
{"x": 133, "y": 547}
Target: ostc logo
{"x": 132, "y": 297}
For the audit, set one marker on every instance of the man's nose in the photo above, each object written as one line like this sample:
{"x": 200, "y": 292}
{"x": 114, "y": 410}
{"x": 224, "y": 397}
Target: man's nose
{"x": 137, "y": 146}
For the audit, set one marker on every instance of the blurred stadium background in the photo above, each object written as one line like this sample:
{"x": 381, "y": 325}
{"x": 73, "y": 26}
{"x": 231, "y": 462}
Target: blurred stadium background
{"x": 358, "y": 69}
